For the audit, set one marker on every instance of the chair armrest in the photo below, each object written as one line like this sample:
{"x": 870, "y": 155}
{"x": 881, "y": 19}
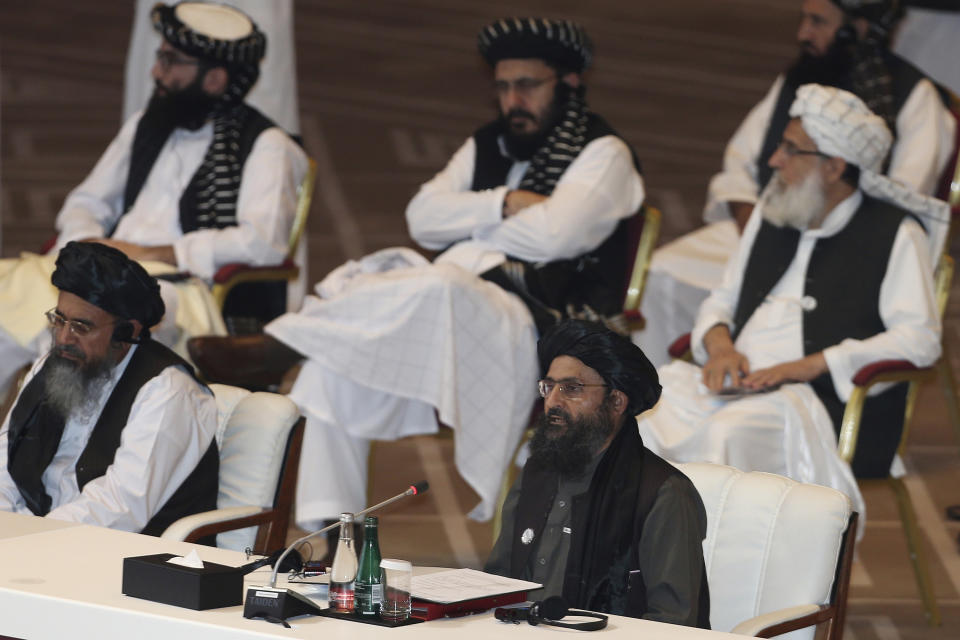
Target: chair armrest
{"x": 232, "y": 270}
{"x": 889, "y": 371}
{"x": 790, "y": 619}
{"x": 680, "y": 347}
{"x": 230, "y": 275}
{"x": 182, "y": 528}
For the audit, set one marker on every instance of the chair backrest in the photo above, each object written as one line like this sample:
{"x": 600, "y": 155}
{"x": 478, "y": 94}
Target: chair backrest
{"x": 304, "y": 198}
{"x": 771, "y": 542}
{"x": 252, "y": 434}
{"x": 644, "y": 232}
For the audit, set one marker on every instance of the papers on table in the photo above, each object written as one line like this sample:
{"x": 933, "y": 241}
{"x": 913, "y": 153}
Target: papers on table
{"x": 457, "y": 585}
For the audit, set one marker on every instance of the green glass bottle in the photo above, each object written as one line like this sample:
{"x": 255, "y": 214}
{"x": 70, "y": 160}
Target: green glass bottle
{"x": 369, "y": 584}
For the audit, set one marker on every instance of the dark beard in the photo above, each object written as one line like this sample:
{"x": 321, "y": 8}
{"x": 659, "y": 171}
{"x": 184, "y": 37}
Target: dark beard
{"x": 568, "y": 448}
{"x": 831, "y": 69}
{"x": 523, "y": 146}
{"x": 71, "y": 386}
{"x": 187, "y": 108}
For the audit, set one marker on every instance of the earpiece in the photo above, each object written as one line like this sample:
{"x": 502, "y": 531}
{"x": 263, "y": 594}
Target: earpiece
{"x": 123, "y": 332}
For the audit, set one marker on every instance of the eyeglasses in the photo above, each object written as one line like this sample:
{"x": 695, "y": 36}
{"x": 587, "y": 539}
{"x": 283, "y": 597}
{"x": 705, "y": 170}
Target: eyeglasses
{"x": 522, "y": 86}
{"x": 78, "y": 328}
{"x": 167, "y": 59}
{"x": 569, "y": 390}
{"x": 790, "y": 150}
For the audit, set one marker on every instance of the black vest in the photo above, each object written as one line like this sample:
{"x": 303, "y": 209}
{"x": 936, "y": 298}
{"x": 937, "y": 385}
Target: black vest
{"x": 844, "y": 276}
{"x": 28, "y": 419}
{"x": 607, "y": 525}
{"x": 144, "y": 154}
{"x": 903, "y": 74}
{"x": 597, "y": 279}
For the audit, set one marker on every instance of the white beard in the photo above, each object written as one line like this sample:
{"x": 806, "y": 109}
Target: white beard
{"x": 793, "y": 206}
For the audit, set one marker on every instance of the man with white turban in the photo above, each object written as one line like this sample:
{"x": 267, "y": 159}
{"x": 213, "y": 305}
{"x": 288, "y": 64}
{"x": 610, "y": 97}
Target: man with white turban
{"x": 833, "y": 272}
{"x": 843, "y": 44}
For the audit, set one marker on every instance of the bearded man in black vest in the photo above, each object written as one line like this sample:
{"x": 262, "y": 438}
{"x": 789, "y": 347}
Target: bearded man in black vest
{"x": 596, "y": 517}
{"x": 197, "y": 180}
{"x": 844, "y": 44}
{"x": 535, "y": 204}
{"x": 110, "y": 428}
{"x": 834, "y": 272}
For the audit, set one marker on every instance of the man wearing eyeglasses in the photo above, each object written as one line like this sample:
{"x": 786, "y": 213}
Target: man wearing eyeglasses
{"x": 596, "y": 517}
{"x": 110, "y": 428}
{"x": 834, "y": 273}
{"x": 845, "y": 44}
{"x": 535, "y": 204}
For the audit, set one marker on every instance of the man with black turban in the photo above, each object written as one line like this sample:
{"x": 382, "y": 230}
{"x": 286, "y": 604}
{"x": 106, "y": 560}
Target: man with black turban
{"x": 596, "y": 517}
{"x": 535, "y": 203}
{"x": 110, "y": 428}
{"x": 843, "y": 44}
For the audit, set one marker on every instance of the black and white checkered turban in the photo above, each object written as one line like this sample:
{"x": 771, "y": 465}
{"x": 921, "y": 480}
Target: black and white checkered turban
{"x": 559, "y": 42}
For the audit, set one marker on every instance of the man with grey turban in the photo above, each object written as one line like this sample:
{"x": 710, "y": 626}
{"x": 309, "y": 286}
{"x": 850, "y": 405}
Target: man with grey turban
{"x": 596, "y": 517}
{"x": 834, "y": 272}
{"x": 110, "y": 428}
{"x": 843, "y": 43}
{"x": 532, "y": 214}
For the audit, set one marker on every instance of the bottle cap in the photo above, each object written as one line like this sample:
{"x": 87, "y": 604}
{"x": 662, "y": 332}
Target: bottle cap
{"x": 370, "y": 520}
{"x": 346, "y": 517}
{"x": 399, "y": 565}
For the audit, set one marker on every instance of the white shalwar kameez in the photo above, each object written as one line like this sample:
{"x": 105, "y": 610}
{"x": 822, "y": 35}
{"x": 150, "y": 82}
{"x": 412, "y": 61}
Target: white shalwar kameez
{"x": 171, "y": 424}
{"x": 788, "y": 431}
{"x": 266, "y": 205}
{"x": 684, "y": 272}
{"x": 387, "y": 349}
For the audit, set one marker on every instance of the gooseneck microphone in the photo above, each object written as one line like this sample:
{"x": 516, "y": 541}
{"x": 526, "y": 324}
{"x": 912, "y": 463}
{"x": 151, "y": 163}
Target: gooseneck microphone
{"x": 549, "y": 612}
{"x": 279, "y": 604}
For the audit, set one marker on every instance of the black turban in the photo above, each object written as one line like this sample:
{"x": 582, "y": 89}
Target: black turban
{"x": 218, "y": 34}
{"x": 619, "y": 362}
{"x": 108, "y": 279}
{"x": 559, "y": 43}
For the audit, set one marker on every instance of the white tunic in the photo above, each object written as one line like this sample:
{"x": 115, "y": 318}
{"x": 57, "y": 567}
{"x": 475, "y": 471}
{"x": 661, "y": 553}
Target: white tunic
{"x": 685, "y": 270}
{"x": 266, "y": 202}
{"x": 388, "y": 351}
{"x": 788, "y": 431}
{"x": 171, "y": 424}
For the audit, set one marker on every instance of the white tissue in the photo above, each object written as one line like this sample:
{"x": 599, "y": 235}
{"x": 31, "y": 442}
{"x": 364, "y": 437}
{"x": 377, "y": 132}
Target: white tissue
{"x": 192, "y": 560}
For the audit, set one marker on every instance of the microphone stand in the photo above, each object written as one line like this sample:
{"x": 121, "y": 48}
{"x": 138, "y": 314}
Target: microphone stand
{"x": 274, "y": 604}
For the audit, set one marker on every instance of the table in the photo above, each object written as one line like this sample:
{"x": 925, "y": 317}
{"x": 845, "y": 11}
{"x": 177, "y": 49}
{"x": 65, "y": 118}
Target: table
{"x": 62, "y": 580}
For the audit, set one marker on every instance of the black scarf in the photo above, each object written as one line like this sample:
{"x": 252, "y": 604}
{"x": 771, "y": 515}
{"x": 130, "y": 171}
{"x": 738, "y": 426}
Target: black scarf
{"x": 563, "y": 144}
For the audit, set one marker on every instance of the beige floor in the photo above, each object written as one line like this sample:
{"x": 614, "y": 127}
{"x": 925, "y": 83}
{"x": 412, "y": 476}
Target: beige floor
{"x": 388, "y": 89}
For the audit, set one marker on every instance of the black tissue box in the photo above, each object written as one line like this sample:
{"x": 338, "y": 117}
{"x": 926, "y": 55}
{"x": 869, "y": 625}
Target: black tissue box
{"x": 153, "y": 578}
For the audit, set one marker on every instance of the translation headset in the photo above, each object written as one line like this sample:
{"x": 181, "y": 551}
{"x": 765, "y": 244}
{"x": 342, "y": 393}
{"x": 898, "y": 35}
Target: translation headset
{"x": 123, "y": 332}
{"x": 549, "y": 612}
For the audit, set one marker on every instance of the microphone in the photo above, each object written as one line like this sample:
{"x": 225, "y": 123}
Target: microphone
{"x": 548, "y": 612}
{"x": 279, "y": 604}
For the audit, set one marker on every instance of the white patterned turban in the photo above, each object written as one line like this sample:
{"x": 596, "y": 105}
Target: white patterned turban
{"x": 841, "y": 125}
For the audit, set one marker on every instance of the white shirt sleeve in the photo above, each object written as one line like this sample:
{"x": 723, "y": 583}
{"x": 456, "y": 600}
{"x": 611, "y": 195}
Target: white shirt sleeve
{"x": 925, "y": 139}
{"x": 721, "y": 304}
{"x": 266, "y": 207}
{"x": 92, "y": 209}
{"x": 171, "y": 424}
{"x": 598, "y": 189}
{"x": 737, "y": 182}
{"x": 908, "y": 309}
{"x": 445, "y": 210}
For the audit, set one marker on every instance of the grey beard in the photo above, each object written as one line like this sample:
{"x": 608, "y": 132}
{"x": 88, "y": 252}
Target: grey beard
{"x": 73, "y": 389}
{"x": 793, "y": 206}
{"x": 570, "y": 447}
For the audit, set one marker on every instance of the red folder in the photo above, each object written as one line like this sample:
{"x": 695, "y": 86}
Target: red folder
{"x": 432, "y": 610}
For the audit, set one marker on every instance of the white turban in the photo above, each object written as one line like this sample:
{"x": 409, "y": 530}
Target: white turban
{"x": 841, "y": 125}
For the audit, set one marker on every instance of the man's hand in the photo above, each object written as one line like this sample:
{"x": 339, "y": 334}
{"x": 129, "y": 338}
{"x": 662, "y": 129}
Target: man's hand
{"x": 802, "y": 370}
{"x": 724, "y": 360}
{"x": 741, "y": 213}
{"x": 140, "y": 253}
{"x": 519, "y": 199}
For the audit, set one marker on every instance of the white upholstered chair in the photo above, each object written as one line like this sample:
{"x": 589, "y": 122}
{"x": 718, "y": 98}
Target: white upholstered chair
{"x": 259, "y": 436}
{"x": 777, "y": 552}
